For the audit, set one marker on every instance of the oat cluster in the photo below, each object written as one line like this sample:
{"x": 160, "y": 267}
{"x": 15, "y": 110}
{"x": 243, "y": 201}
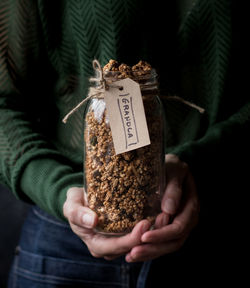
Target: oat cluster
{"x": 122, "y": 189}
{"x": 124, "y": 71}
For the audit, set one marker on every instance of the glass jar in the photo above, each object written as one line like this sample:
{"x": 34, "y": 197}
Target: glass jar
{"x": 125, "y": 188}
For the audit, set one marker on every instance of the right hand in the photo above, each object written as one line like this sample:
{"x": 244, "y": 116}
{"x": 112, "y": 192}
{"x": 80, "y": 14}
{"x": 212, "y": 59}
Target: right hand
{"x": 83, "y": 221}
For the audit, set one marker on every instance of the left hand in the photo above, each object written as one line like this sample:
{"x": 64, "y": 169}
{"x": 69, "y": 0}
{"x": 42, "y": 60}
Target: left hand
{"x": 180, "y": 202}
{"x": 83, "y": 220}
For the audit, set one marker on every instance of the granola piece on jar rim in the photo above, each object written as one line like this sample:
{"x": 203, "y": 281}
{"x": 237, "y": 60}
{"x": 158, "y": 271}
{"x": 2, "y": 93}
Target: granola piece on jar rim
{"x": 112, "y": 65}
{"x": 125, "y": 70}
{"x": 141, "y": 68}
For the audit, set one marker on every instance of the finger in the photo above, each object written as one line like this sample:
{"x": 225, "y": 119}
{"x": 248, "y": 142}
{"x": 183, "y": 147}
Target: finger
{"x": 151, "y": 251}
{"x": 161, "y": 220}
{"x": 75, "y": 212}
{"x": 180, "y": 226}
{"x": 172, "y": 196}
{"x": 106, "y": 246}
{"x": 75, "y": 194}
{"x": 176, "y": 171}
{"x": 112, "y": 257}
{"x": 167, "y": 233}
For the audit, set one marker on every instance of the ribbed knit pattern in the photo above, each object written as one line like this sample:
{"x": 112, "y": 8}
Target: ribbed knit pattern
{"x": 46, "y": 53}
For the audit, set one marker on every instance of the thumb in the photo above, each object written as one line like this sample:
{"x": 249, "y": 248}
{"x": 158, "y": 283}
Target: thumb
{"x": 75, "y": 211}
{"x": 172, "y": 196}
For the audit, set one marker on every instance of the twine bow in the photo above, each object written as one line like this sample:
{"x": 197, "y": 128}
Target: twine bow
{"x": 104, "y": 85}
{"x": 93, "y": 91}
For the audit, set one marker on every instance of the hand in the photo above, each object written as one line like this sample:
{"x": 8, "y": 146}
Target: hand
{"x": 82, "y": 221}
{"x": 180, "y": 202}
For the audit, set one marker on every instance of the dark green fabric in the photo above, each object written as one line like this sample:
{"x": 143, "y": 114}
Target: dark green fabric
{"x": 46, "y": 53}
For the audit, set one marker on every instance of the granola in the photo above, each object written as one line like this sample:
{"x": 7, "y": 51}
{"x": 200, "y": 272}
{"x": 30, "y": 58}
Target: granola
{"x": 126, "y": 188}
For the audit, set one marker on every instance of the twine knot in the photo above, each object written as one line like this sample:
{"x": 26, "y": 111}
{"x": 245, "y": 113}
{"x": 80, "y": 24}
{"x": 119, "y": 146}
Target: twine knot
{"x": 93, "y": 91}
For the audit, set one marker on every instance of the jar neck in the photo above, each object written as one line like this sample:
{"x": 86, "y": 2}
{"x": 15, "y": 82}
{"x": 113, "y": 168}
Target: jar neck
{"x": 148, "y": 82}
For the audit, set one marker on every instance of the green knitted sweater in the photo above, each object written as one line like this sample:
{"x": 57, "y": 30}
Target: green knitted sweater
{"x": 46, "y": 53}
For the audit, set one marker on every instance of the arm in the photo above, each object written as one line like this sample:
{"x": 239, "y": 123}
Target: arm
{"x": 207, "y": 157}
{"x": 29, "y": 164}
{"x": 216, "y": 158}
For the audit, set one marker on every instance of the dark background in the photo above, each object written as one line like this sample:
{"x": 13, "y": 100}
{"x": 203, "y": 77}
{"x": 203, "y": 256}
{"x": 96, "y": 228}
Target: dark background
{"x": 12, "y": 213}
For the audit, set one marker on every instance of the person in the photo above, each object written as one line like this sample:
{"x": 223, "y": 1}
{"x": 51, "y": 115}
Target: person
{"x": 46, "y": 51}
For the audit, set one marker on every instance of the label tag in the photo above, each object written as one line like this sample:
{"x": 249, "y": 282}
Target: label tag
{"x": 127, "y": 116}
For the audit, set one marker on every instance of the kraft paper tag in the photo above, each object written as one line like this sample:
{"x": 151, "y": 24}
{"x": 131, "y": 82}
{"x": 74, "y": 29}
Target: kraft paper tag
{"x": 127, "y": 116}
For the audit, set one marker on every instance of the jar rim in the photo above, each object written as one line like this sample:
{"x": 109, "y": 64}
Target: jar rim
{"x": 148, "y": 81}
{"x": 134, "y": 75}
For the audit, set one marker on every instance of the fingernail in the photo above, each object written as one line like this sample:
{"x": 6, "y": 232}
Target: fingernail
{"x": 88, "y": 220}
{"x": 128, "y": 258}
{"x": 169, "y": 206}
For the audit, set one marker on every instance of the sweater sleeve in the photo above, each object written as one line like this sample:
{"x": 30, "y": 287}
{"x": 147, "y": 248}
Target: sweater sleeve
{"x": 221, "y": 149}
{"x": 223, "y": 145}
{"x": 30, "y": 166}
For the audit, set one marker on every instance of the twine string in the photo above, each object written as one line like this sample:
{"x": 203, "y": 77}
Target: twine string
{"x": 104, "y": 85}
{"x": 190, "y": 104}
{"x": 93, "y": 91}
